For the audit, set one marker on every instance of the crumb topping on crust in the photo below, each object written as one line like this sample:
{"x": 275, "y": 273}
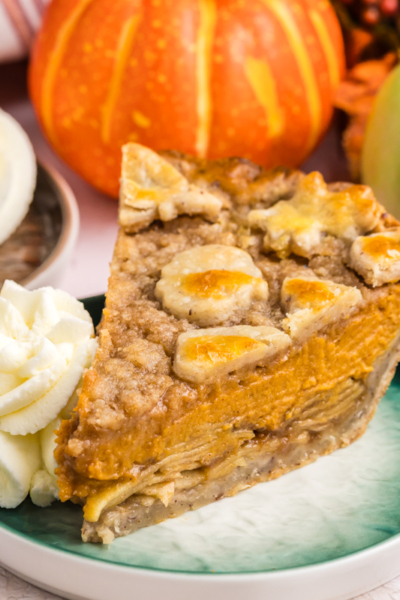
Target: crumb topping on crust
{"x": 132, "y": 399}
{"x": 311, "y": 304}
{"x": 206, "y": 354}
{"x": 298, "y": 225}
{"x": 152, "y": 188}
{"x": 207, "y": 284}
{"x": 377, "y": 257}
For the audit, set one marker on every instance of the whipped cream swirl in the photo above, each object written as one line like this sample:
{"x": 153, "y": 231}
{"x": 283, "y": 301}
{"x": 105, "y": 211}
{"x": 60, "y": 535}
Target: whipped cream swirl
{"x": 46, "y": 342}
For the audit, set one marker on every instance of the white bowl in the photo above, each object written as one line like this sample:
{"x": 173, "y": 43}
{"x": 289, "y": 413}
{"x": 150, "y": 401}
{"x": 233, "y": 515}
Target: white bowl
{"x": 56, "y": 203}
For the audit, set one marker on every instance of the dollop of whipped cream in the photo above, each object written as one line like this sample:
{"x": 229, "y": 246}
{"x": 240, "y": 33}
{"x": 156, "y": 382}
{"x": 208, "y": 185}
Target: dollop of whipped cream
{"x": 46, "y": 342}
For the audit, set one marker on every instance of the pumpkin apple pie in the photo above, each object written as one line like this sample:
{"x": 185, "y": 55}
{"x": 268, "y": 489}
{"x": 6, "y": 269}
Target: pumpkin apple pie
{"x": 252, "y": 324}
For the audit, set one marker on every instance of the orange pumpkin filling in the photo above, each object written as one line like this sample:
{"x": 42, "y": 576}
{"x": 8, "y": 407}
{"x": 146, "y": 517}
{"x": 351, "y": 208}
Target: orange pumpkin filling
{"x": 264, "y": 398}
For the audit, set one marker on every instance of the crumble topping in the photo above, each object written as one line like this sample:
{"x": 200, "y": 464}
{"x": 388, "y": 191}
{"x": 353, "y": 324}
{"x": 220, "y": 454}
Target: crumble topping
{"x": 377, "y": 257}
{"x": 298, "y": 225}
{"x": 207, "y": 284}
{"x": 206, "y": 354}
{"x": 152, "y": 188}
{"x": 135, "y": 388}
{"x": 311, "y": 304}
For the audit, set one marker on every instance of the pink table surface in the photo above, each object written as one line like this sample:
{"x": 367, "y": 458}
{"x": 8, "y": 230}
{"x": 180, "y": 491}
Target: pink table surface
{"x": 88, "y": 271}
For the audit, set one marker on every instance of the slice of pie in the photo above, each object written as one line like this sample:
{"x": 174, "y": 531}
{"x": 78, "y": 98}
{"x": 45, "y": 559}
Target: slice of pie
{"x": 252, "y": 324}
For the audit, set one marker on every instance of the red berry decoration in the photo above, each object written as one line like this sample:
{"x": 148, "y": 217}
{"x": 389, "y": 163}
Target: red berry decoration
{"x": 369, "y": 13}
{"x": 389, "y": 7}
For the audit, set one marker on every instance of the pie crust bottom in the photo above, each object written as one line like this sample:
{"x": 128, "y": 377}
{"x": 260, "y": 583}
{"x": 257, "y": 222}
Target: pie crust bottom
{"x": 324, "y": 427}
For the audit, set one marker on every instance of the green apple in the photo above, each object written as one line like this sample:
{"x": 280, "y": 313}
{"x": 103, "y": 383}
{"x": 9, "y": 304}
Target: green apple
{"x": 380, "y": 162}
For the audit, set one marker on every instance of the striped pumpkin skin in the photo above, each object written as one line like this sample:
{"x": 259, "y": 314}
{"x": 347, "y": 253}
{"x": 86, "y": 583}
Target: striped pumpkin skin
{"x": 214, "y": 78}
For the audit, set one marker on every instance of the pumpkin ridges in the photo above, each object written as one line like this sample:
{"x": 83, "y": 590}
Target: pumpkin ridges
{"x": 161, "y": 89}
{"x": 79, "y": 139}
{"x": 283, "y": 13}
{"x": 205, "y": 40}
{"x": 53, "y": 65}
{"x": 43, "y": 46}
{"x": 294, "y": 101}
{"x": 330, "y": 39}
{"x": 262, "y": 81}
{"x": 155, "y": 82}
{"x": 318, "y": 62}
{"x": 125, "y": 42}
{"x": 317, "y": 42}
{"x": 80, "y": 91}
{"x": 239, "y": 120}
{"x": 328, "y": 48}
{"x": 235, "y": 103}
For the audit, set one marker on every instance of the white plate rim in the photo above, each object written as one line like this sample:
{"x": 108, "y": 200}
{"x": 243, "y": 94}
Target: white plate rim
{"x": 83, "y": 578}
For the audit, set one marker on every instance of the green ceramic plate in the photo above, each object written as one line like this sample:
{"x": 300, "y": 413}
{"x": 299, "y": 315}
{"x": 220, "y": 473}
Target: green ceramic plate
{"x": 324, "y": 515}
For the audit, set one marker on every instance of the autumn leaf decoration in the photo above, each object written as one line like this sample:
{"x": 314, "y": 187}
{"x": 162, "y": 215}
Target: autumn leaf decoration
{"x": 355, "y": 97}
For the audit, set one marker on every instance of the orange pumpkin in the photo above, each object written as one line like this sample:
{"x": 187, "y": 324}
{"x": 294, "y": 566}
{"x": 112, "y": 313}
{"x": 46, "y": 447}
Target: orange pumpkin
{"x": 209, "y": 77}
